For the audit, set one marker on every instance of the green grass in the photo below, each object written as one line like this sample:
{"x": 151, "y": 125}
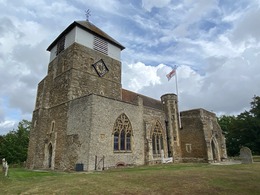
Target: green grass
{"x": 157, "y": 179}
{"x": 256, "y": 158}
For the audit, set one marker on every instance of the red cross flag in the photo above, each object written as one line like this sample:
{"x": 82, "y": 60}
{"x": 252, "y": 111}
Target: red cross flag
{"x": 171, "y": 74}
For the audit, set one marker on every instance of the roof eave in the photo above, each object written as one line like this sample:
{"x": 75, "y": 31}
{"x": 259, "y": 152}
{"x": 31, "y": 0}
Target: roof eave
{"x": 74, "y": 24}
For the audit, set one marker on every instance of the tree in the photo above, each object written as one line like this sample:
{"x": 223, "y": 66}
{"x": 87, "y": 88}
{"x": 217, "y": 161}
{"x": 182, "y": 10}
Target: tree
{"x": 243, "y": 130}
{"x": 255, "y": 107}
{"x": 232, "y": 139}
{"x": 14, "y": 145}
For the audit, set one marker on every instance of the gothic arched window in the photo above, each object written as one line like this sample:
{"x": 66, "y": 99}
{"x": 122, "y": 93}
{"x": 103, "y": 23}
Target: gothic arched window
{"x": 122, "y": 133}
{"x": 157, "y": 139}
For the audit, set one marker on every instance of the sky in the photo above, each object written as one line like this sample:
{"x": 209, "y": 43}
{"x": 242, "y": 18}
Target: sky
{"x": 215, "y": 45}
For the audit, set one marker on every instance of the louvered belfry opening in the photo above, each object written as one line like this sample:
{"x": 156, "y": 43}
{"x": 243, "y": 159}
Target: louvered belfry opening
{"x": 100, "y": 45}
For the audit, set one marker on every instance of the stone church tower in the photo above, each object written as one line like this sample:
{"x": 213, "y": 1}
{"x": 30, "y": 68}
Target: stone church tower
{"x": 85, "y": 120}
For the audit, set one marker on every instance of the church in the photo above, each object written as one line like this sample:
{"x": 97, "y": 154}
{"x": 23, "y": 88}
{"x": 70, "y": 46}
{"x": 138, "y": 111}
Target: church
{"x": 84, "y": 120}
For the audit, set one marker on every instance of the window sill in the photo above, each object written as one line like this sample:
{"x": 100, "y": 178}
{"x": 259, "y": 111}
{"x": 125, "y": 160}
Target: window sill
{"x": 125, "y": 151}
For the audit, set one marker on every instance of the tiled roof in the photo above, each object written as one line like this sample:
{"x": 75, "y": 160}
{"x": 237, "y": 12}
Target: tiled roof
{"x": 129, "y": 96}
{"x": 86, "y": 25}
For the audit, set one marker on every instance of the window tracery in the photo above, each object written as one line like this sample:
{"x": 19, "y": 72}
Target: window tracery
{"x": 157, "y": 139}
{"x": 122, "y": 133}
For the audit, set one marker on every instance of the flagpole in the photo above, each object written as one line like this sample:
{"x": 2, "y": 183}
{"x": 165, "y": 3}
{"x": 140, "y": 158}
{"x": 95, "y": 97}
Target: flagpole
{"x": 177, "y": 93}
{"x": 176, "y": 83}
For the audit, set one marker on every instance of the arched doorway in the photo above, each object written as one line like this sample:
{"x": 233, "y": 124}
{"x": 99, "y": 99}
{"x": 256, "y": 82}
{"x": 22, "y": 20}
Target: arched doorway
{"x": 49, "y": 155}
{"x": 215, "y": 149}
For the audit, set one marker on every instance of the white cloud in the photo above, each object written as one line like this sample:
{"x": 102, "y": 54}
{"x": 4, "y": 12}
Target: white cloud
{"x": 112, "y": 6}
{"x": 6, "y": 126}
{"x": 137, "y": 76}
{"x": 193, "y": 12}
{"x": 248, "y": 27}
{"x": 149, "y": 4}
{"x": 225, "y": 88}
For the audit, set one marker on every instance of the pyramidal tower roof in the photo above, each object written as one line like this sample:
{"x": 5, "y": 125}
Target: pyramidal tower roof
{"x": 89, "y": 27}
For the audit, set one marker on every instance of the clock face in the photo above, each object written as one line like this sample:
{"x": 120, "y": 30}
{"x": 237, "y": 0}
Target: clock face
{"x": 100, "y": 68}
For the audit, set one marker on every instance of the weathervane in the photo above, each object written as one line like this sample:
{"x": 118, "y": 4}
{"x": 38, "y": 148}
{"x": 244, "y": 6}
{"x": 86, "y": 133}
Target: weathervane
{"x": 87, "y": 13}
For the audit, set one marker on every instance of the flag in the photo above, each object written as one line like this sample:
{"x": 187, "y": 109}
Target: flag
{"x": 171, "y": 74}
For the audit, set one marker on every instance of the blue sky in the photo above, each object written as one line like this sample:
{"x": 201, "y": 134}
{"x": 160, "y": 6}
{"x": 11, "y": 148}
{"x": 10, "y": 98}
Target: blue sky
{"x": 215, "y": 44}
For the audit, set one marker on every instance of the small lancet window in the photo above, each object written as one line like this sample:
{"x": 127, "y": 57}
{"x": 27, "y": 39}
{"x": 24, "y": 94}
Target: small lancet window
{"x": 52, "y": 126}
{"x": 122, "y": 133}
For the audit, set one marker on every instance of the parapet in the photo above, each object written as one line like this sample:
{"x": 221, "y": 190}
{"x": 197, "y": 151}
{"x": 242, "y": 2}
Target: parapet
{"x": 199, "y": 112}
{"x": 169, "y": 96}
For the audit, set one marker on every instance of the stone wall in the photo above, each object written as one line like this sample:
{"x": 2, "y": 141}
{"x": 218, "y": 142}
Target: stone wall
{"x": 150, "y": 117}
{"x": 192, "y": 133}
{"x": 57, "y": 136}
{"x": 78, "y": 132}
{"x": 202, "y": 132}
{"x": 70, "y": 76}
{"x": 86, "y": 81}
{"x": 94, "y": 126}
{"x": 170, "y": 107}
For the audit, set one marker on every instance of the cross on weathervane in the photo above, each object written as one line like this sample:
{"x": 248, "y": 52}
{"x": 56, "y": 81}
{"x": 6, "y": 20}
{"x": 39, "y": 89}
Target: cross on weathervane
{"x": 87, "y": 14}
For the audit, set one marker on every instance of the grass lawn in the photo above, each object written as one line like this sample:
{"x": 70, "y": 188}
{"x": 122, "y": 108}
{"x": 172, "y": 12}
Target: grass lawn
{"x": 157, "y": 179}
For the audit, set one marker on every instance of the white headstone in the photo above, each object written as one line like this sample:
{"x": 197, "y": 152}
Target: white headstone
{"x": 5, "y": 167}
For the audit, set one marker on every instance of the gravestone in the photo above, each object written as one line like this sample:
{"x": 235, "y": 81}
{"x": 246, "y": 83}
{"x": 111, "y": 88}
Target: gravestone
{"x": 246, "y": 155}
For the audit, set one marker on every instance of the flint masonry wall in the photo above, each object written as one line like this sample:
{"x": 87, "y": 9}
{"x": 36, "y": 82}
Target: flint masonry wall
{"x": 213, "y": 136}
{"x": 37, "y": 135}
{"x": 84, "y": 79}
{"x": 78, "y": 131}
{"x": 96, "y": 132}
{"x": 170, "y": 107}
{"x": 151, "y": 115}
{"x": 70, "y": 75}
